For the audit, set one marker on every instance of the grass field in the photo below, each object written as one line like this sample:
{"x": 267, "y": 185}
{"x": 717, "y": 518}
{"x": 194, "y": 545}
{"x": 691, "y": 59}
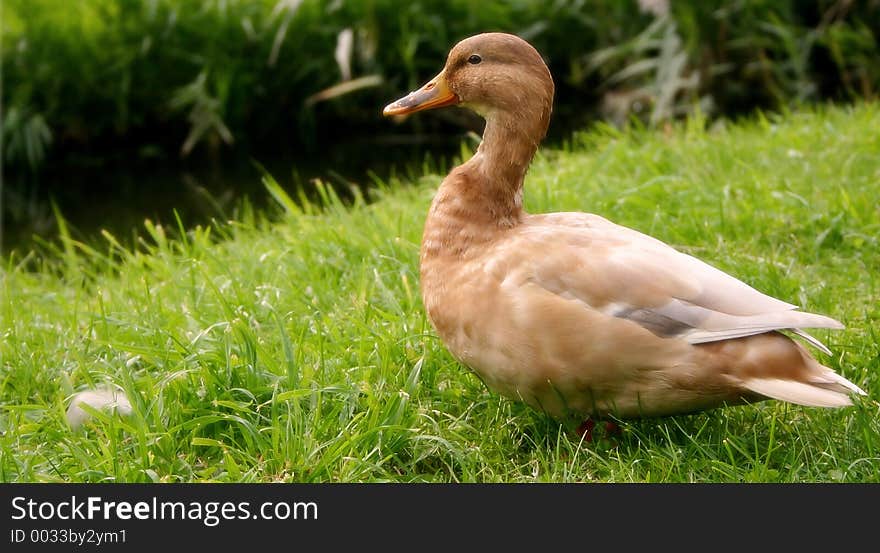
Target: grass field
{"x": 293, "y": 346}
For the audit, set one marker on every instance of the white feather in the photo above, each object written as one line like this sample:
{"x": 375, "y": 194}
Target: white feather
{"x": 797, "y": 392}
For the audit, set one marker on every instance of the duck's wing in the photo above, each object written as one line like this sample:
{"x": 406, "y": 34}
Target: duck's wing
{"x": 627, "y": 274}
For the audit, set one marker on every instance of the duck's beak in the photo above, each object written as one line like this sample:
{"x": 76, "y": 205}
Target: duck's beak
{"x": 434, "y": 94}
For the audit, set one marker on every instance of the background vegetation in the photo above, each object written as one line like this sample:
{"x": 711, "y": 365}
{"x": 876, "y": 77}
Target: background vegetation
{"x": 161, "y": 78}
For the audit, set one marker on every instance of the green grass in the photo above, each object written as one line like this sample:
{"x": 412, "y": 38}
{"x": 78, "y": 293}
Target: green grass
{"x": 295, "y": 347}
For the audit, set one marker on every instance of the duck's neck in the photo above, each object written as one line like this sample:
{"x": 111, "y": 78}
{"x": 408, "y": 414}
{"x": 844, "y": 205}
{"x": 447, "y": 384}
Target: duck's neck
{"x": 504, "y": 155}
{"x": 495, "y": 174}
{"x": 483, "y": 196}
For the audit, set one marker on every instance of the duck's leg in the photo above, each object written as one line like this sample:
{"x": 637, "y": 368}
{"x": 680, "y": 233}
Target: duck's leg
{"x": 585, "y": 430}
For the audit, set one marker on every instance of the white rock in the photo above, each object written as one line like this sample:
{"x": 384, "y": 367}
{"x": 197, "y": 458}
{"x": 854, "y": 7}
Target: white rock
{"x": 100, "y": 399}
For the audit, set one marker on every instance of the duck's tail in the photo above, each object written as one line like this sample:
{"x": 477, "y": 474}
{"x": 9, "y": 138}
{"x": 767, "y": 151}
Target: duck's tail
{"x": 828, "y": 390}
{"x": 774, "y": 366}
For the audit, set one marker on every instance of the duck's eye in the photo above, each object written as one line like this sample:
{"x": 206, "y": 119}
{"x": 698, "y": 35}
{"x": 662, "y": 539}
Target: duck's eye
{"x": 474, "y": 59}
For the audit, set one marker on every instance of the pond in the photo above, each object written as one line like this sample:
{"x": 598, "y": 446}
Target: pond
{"x": 119, "y": 195}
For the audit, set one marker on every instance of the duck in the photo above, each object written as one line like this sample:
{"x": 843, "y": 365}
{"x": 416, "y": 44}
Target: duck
{"x": 575, "y": 315}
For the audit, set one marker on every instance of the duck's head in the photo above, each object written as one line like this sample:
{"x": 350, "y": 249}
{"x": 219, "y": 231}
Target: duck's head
{"x": 494, "y": 74}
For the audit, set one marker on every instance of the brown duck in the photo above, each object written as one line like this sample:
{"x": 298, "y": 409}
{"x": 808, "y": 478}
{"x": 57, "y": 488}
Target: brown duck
{"x": 573, "y": 314}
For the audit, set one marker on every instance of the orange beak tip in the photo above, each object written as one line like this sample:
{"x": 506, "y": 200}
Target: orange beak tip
{"x": 391, "y": 110}
{"x": 434, "y": 94}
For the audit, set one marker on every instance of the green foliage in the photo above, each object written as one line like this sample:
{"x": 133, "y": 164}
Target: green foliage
{"x": 728, "y": 57}
{"x": 295, "y": 348}
{"x": 105, "y": 74}
{"x": 204, "y": 113}
{"x": 25, "y": 137}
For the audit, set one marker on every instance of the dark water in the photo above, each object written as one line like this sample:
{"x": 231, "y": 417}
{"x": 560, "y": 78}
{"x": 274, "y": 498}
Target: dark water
{"x": 119, "y": 195}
